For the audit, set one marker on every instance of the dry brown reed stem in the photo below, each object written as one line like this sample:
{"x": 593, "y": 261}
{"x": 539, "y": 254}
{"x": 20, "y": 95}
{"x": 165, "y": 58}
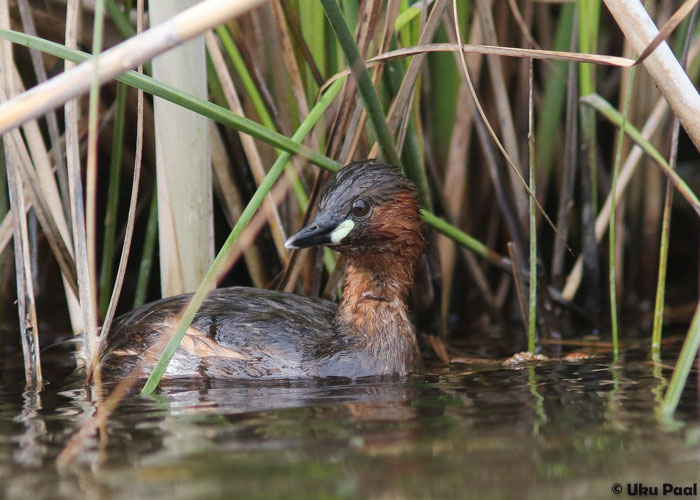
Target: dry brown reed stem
{"x": 23, "y": 164}
{"x": 88, "y": 322}
{"x": 493, "y": 135}
{"x": 399, "y": 112}
{"x": 358, "y": 122}
{"x": 518, "y": 280}
{"x": 292, "y": 17}
{"x": 51, "y": 118}
{"x": 118, "y": 59}
{"x": 543, "y": 55}
{"x": 26, "y": 304}
{"x": 663, "y": 67}
{"x": 131, "y": 217}
{"x": 232, "y": 203}
{"x": 364, "y": 33}
{"x": 6, "y": 227}
{"x": 566, "y": 192}
{"x": 503, "y": 198}
{"x": 295, "y": 80}
{"x": 29, "y": 328}
{"x": 252, "y": 153}
{"x": 93, "y": 119}
{"x": 47, "y": 190}
{"x": 522, "y": 24}
{"x": 503, "y": 110}
{"x": 368, "y": 20}
{"x": 359, "y": 117}
{"x": 91, "y": 180}
{"x": 290, "y": 59}
{"x": 668, "y": 27}
{"x": 454, "y": 183}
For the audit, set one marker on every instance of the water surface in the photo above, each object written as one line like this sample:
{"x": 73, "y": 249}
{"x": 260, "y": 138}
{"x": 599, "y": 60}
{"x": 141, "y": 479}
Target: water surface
{"x": 556, "y": 430}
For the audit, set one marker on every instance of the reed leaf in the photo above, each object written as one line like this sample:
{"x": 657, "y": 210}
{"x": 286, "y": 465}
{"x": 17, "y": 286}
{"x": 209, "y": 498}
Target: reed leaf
{"x": 120, "y": 20}
{"x": 614, "y": 116}
{"x": 244, "y": 74}
{"x": 549, "y": 123}
{"x": 110, "y": 222}
{"x": 685, "y": 362}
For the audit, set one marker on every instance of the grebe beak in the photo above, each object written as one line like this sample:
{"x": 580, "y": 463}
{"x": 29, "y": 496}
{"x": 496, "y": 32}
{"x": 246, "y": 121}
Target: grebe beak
{"x": 322, "y": 231}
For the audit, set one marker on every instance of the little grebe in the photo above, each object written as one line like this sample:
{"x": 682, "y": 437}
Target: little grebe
{"x": 369, "y": 213}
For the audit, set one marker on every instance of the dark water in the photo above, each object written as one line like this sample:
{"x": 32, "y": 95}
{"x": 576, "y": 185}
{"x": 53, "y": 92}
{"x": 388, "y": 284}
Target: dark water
{"x": 558, "y": 430}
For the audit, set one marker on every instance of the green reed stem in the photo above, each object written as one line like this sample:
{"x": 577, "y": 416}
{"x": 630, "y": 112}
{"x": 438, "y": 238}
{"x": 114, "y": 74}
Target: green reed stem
{"x": 120, "y": 20}
{"x": 685, "y": 361}
{"x": 611, "y": 224}
{"x": 248, "y": 84}
{"x": 363, "y": 81}
{"x": 238, "y": 63}
{"x": 663, "y": 262}
{"x": 684, "y": 38}
{"x": 549, "y": 123}
{"x": 314, "y": 32}
{"x": 112, "y": 201}
{"x": 532, "y": 307}
{"x": 588, "y": 26}
{"x": 405, "y": 17}
{"x": 149, "y": 246}
{"x": 440, "y": 106}
{"x": 220, "y": 262}
{"x": 411, "y": 154}
{"x": 259, "y": 105}
{"x": 463, "y": 239}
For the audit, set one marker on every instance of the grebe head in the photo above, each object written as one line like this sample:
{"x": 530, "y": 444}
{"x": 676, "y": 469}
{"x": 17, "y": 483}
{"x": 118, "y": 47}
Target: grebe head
{"x": 366, "y": 209}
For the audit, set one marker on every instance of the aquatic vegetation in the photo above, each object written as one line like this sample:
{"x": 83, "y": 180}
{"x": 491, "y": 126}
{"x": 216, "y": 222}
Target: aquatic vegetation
{"x": 523, "y": 169}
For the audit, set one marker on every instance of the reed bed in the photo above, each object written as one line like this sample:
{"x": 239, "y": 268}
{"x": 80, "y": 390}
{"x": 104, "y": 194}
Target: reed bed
{"x": 523, "y": 123}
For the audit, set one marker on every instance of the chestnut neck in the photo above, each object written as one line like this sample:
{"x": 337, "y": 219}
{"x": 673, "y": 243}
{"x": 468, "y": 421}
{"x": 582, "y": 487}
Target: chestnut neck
{"x": 374, "y": 304}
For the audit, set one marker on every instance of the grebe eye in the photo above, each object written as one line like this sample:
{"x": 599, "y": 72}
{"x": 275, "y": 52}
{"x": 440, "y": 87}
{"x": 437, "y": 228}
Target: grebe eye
{"x": 360, "y": 207}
